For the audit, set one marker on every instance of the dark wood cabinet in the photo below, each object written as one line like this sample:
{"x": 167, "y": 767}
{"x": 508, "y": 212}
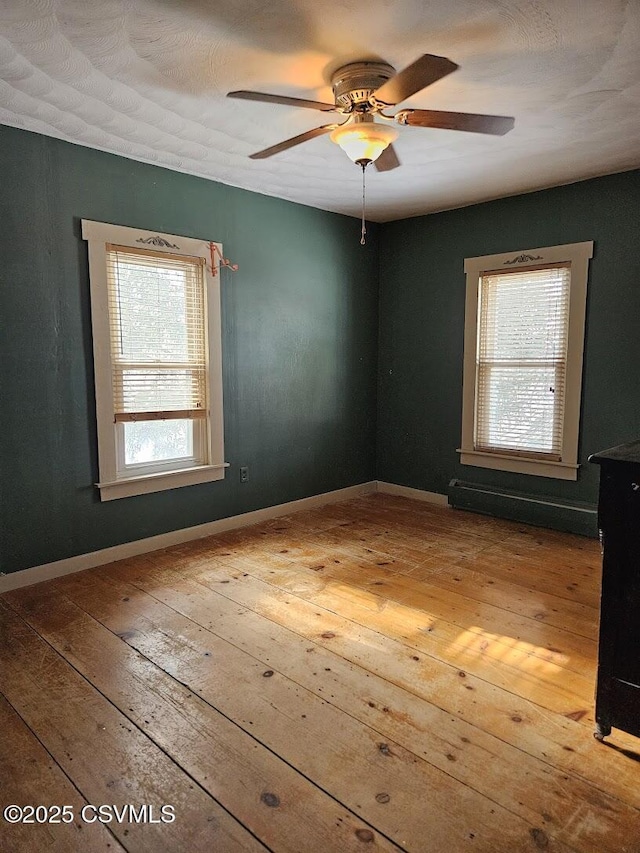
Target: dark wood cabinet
{"x": 618, "y": 684}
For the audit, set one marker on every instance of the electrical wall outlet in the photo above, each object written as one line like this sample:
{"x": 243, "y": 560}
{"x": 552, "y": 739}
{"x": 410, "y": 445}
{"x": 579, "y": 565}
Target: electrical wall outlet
{"x": 244, "y": 474}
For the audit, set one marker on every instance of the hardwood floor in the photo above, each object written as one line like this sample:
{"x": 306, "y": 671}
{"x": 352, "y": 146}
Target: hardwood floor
{"x": 379, "y": 674}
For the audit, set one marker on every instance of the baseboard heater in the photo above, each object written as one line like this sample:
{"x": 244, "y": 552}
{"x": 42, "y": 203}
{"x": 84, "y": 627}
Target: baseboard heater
{"x": 543, "y": 512}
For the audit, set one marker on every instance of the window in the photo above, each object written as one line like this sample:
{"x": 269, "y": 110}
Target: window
{"x": 155, "y": 306}
{"x": 524, "y": 335}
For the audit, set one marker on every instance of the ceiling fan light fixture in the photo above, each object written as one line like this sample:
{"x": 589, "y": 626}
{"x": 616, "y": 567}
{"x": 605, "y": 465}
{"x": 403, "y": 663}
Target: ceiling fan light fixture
{"x": 362, "y": 140}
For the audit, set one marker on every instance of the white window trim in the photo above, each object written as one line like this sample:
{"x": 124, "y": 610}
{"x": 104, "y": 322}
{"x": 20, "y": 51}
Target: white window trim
{"x": 112, "y": 486}
{"x": 578, "y": 254}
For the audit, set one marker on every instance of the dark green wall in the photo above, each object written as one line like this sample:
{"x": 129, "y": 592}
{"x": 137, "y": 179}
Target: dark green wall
{"x": 299, "y": 347}
{"x": 422, "y": 288}
{"x": 301, "y": 322}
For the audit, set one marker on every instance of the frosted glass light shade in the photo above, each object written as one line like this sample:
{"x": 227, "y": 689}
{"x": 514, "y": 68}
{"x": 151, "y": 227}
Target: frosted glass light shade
{"x": 363, "y": 141}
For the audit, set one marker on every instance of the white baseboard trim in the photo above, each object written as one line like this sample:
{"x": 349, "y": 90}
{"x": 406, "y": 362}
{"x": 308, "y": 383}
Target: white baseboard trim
{"x": 415, "y": 494}
{"x": 48, "y": 571}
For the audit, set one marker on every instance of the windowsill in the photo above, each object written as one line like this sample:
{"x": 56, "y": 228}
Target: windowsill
{"x": 520, "y": 464}
{"x": 147, "y": 483}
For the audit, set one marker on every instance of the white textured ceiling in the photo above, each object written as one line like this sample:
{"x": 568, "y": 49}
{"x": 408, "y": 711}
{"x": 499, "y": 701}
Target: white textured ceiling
{"x": 147, "y": 79}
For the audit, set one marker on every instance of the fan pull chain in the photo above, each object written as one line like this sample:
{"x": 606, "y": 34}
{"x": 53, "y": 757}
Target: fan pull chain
{"x": 363, "y": 238}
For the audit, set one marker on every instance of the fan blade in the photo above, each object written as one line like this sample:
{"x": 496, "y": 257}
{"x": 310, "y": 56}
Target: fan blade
{"x": 282, "y": 99}
{"x": 471, "y": 122}
{"x": 387, "y": 160}
{"x": 295, "y": 140}
{"x": 420, "y": 74}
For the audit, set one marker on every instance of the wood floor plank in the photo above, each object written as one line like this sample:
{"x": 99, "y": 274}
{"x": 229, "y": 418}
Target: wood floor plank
{"x": 594, "y": 819}
{"x": 562, "y": 578}
{"x": 516, "y": 666}
{"x": 30, "y": 777}
{"x": 108, "y": 760}
{"x": 555, "y": 739}
{"x": 425, "y": 524}
{"x": 566, "y": 581}
{"x": 552, "y": 560}
{"x": 276, "y": 803}
{"x": 388, "y": 671}
{"x": 549, "y": 609}
{"x": 293, "y": 722}
{"x": 303, "y": 614}
{"x": 553, "y": 644}
{"x": 451, "y": 573}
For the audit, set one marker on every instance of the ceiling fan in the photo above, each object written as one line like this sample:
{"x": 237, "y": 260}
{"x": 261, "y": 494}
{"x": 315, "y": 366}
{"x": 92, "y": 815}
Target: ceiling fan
{"x": 363, "y": 91}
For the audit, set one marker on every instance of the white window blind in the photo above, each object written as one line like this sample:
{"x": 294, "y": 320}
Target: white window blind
{"x": 157, "y": 334}
{"x": 521, "y": 361}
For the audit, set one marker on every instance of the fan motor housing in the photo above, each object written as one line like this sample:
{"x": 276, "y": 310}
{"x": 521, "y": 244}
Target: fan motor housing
{"x": 354, "y": 84}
